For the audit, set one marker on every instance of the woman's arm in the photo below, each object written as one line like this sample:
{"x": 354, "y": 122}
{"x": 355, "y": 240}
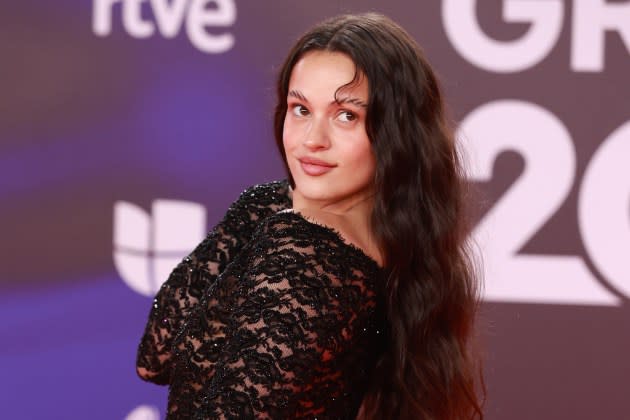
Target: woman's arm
{"x": 185, "y": 286}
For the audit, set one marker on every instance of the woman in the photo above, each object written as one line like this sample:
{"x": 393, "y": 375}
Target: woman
{"x": 349, "y": 294}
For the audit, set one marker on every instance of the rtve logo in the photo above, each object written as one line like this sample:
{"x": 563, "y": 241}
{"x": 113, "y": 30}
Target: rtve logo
{"x": 148, "y": 247}
{"x": 169, "y": 16}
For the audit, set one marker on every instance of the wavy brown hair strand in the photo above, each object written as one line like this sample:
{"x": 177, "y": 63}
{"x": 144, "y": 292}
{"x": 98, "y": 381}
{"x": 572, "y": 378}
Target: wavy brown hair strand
{"x": 428, "y": 369}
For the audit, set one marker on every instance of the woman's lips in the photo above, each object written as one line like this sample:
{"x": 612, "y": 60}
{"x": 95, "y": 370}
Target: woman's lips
{"x": 315, "y": 167}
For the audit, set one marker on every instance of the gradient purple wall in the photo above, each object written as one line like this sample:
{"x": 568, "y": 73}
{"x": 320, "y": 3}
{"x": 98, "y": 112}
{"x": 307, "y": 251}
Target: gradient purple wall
{"x": 124, "y": 136}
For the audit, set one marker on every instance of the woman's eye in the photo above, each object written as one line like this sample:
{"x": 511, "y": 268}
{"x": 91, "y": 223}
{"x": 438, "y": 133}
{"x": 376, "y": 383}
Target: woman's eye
{"x": 299, "y": 111}
{"x": 347, "y": 116}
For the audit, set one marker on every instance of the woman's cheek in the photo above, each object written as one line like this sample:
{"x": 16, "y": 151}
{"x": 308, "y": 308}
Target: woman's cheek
{"x": 287, "y": 135}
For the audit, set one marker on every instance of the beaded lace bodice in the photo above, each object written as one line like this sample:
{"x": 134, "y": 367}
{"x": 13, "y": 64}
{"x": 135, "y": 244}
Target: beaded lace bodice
{"x": 186, "y": 284}
{"x": 272, "y": 316}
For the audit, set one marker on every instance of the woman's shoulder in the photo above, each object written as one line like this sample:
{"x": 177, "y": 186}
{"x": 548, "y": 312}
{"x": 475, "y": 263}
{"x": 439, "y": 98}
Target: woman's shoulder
{"x": 308, "y": 229}
{"x": 266, "y": 193}
{"x": 256, "y": 203}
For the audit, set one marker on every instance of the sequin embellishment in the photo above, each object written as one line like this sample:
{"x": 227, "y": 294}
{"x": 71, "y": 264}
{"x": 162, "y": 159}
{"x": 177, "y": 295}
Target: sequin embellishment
{"x": 279, "y": 319}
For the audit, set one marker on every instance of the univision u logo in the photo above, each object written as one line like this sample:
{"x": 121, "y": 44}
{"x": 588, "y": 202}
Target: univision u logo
{"x": 148, "y": 246}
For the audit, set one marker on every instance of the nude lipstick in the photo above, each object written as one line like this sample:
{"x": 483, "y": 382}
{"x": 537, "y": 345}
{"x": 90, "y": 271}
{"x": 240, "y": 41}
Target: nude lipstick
{"x": 315, "y": 167}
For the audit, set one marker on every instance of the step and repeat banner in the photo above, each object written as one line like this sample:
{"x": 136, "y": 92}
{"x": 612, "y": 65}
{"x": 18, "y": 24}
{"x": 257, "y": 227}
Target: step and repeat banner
{"x": 127, "y": 127}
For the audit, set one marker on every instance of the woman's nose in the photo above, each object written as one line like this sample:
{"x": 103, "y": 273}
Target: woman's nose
{"x": 317, "y": 136}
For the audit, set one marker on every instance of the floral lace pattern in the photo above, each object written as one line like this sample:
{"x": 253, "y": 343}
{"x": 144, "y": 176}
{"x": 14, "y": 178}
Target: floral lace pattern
{"x": 183, "y": 289}
{"x": 291, "y": 327}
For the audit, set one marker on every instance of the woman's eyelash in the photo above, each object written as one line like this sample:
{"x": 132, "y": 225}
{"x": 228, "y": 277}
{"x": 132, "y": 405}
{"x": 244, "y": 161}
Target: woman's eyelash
{"x": 301, "y": 110}
{"x": 297, "y": 109}
{"x": 351, "y": 116}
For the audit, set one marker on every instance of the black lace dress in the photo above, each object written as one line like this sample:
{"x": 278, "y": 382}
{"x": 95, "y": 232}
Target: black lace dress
{"x": 272, "y": 316}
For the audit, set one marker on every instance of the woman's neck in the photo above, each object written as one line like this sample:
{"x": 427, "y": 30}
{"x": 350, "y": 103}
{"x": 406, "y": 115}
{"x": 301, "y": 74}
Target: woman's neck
{"x": 351, "y": 217}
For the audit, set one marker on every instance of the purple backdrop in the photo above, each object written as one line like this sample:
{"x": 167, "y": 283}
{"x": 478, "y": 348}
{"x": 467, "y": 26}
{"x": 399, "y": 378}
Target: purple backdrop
{"x": 128, "y": 126}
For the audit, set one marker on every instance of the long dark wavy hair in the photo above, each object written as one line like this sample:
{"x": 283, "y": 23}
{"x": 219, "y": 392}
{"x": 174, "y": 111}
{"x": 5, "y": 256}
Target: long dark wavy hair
{"x": 428, "y": 370}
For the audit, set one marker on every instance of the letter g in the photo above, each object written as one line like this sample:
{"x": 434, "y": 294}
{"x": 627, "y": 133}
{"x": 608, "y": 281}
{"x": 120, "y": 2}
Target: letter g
{"x": 462, "y": 29}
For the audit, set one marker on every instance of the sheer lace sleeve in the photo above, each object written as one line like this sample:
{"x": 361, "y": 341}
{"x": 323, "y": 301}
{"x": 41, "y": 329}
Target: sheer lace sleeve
{"x": 183, "y": 289}
{"x": 288, "y": 330}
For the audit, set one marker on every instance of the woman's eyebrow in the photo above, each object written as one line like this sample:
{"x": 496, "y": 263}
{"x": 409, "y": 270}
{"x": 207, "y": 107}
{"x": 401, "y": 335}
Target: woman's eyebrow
{"x": 297, "y": 94}
{"x": 347, "y": 100}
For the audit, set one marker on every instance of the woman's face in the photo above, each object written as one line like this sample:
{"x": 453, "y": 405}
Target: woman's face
{"x": 327, "y": 148}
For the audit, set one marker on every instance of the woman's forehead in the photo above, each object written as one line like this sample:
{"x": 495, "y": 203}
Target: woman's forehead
{"x": 320, "y": 73}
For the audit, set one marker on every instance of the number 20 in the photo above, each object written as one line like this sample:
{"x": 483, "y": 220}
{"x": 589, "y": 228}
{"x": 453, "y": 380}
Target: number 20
{"x": 603, "y": 206}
